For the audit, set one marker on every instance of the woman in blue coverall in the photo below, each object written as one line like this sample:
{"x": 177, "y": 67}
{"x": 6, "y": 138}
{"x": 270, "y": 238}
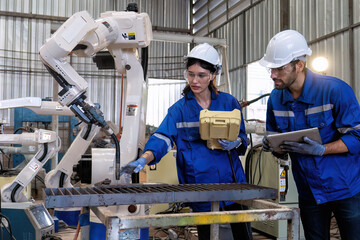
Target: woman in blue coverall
{"x": 197, "y": 164}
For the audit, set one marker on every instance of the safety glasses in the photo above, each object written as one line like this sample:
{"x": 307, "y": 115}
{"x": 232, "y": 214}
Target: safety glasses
{"x": 200, "y": 76}
{"x": 279, "y": 70}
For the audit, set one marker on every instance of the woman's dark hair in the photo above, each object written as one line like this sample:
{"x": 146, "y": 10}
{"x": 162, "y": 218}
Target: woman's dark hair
{"x": 205, "y": 65}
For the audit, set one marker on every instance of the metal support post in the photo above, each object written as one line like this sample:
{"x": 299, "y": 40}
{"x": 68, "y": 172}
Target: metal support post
{"x": 293, "y": 226}
{"x": 85, "y": 218}
{"x": 214, "y": 228}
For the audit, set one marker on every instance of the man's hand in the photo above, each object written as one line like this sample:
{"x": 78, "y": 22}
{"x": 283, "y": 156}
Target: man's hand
{"x": 229, "y": 145}
{"x": 266, "y": 145}
{"x": 134, "y": 166}
{"x": 310, "y": 147}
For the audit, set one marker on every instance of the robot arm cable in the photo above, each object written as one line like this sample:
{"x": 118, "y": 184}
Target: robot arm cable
{"x": 117, "y": 156}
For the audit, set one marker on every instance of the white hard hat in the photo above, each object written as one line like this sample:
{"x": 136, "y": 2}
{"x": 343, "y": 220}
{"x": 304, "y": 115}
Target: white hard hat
{"x": 205, "y": 52}
{"x": 285, "y": 47}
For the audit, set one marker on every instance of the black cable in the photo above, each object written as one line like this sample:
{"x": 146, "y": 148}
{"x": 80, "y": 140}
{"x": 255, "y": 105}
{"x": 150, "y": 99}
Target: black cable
{"x": 232, "y": 167}
{"x": 61, "y": 181}
{"x": 20, "y": 128}
{"x": 286, "y": 168}
{"x": 40, "y": 179}
{"x": 45, "y": 152}
{"x": 117, "y": 156}
{"x": 259, "y": 165}
{"x": 144, "y": 60}
{"x": 8, "y": 230}
{"x": 248, "y": 163}
{"x": 87, "y": 133}
{"x": 2, "y": 151}
{"x": 247, "y": 103}
{"x": 251, "y": 141}
{"x": 14, "y": 191}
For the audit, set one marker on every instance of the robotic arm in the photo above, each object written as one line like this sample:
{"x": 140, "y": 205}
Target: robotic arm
{"x": 84, "y": 36}
{"x": 37, "y": 105}
{"x": 121, "y": 33}
{"x": 47, "y": 140}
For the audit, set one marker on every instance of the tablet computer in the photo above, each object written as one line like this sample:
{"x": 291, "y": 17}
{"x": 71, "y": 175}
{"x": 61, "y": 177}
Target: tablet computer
{"x": 275, "y": 140}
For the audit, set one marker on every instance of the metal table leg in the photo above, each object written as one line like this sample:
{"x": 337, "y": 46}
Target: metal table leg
{"x": 85, "y": 230}
{"x": 214, "y": 228}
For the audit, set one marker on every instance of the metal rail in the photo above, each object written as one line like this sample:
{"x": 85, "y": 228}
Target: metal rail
{"x": 153, "y": 193}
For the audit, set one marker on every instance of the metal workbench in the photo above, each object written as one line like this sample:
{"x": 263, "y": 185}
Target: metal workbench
{"x": 247, "y": 194}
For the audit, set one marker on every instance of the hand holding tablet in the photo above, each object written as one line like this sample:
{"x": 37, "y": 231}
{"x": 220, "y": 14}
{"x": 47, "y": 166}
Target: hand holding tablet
{"x": 275, "y": 140}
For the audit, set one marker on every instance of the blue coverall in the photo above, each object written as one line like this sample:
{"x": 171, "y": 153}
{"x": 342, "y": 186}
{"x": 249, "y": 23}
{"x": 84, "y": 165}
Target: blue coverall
{"x": 195, "y": 162}
{"x": 329, "y": 104}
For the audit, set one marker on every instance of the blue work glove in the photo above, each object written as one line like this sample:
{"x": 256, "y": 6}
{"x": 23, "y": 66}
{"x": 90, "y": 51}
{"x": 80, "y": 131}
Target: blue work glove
{"x": 228, "y": 145}
{"x": 134, "y": 166}
{"x": 310, "y": 147}
{"x": 266, "y": 145}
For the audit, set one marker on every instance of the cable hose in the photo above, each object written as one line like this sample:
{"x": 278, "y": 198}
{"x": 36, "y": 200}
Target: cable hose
{"x": 61, "y": 181}
{"x": 248, "y": 162}
{"x": 117, "y": 156}
{"x": 88, "y": 130}
{"x": 232, "y": 166}
{"x": 44, "y": 153}
{"x": 14, "y": 191}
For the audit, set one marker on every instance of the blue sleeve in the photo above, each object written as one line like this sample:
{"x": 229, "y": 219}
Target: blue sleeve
{"x": 162, "y": 141}
{"x": 270, "y": 118}
{"x": 347, "y": 117}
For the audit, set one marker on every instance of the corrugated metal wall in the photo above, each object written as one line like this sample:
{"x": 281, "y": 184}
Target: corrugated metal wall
{"x": 246, "y": 24}
{"x": 164, "y": 94}
{"x": 249, "y": 25}
{"x": 247, "y": 33}
{"x": 318, "y": 18}
{"x": 26, "y": 24}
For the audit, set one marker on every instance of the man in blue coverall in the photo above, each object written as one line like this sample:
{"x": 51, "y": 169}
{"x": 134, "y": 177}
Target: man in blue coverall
{"x": 327, "y": 175}
{"x": 195, "y": 162}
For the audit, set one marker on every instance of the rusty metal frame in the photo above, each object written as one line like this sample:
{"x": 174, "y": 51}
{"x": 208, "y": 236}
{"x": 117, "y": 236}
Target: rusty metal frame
{"x": 261, "y": 210}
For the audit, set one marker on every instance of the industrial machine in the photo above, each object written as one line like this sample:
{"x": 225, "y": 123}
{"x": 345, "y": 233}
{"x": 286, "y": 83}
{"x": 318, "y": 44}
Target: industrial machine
{"x": 12, "y": 192}
{"x": 121, "y": 33}
{"x": 26, "y": 220}
{"x": 268, "y": 171}
{"x": 34, "y": 112}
